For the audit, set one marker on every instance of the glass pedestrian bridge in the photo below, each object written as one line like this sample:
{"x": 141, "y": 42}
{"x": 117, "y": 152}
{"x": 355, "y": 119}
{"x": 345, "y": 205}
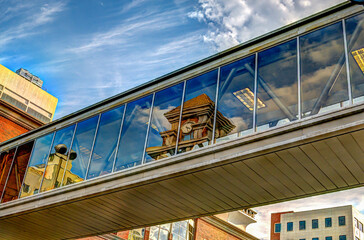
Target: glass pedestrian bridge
{"x": 298, "y": 72}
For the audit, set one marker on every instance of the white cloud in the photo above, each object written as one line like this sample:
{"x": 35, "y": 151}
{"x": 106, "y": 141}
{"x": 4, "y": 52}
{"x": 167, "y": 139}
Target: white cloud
{"x": 28, "y": 26}
{"x": 234, "y": 21}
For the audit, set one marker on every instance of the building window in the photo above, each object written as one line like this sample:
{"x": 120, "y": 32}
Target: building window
{"x": 277, "y": 228}
{"x": 342, "y": 237}
{"x": 360, "y": 226}
{"x": 315, "y": 223}
{"x": 302, "y": 238}
{"x": 342, "y": 221}
{"x": 328, "y": 222}
{"x": 289, "y": 226}
{"x": 315, "y": 238}
{"x": 302, "y": 225}
{"x": 328, "y": 238}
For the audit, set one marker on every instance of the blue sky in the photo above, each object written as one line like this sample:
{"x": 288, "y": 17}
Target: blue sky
{"x": 89, "y": 50}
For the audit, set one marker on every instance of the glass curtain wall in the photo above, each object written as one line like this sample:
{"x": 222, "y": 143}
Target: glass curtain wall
{"x": 57, "y": 159}
{"x": 17, "y": 173}
{"x": 103, "y": 154}
{"x": 6, "y": 159}
{"x": 235, "y": 104}
{"x": 36, "y": 166}
{"x": 198, "y": 112}
{"x": 323, "y": 70}
{"x": 277, "y": 84}
{"x": 79, "y": 158}
{"x": 133, "y": 133}
{"x": 163, "y": 129}
{"x": 355, "y": 40}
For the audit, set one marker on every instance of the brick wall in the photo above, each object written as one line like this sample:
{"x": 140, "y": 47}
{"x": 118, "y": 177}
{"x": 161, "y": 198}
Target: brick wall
{"x": 206, "y": 231}
{"x": 9, "y": 129}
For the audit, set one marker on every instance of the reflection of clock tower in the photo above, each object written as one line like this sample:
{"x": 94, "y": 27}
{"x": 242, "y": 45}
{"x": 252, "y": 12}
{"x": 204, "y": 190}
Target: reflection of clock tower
{"x": 196, "y": 127}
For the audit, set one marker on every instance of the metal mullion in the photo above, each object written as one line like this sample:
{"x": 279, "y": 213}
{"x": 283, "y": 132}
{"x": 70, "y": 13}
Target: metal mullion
{"x": 7, "y": 178}
{"x": 348, "y": 77}
{"x": 92, "y": 147}
{"x": 46, "y": 164}
{"x": 68, "y": 155}
{"x": 148, "y": 129}
{"x": 180, "y": 116}
{"x": 117, "y": 144}
{"x": 26, "y": 170}
{"x": 255, "y": 94}
{"x": 215, "y": 110}
{"x": 299, "y": 104}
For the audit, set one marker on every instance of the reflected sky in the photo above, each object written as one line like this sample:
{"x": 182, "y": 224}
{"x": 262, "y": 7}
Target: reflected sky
{"x": 278, "y": 85}
{"x": 82, "y": 144}
{"x": 323, "y": 72}
{"x": 163, "y": 130}
{"x": 103, "y": 154}
{"x": 198, "y": 112}
{"x": 133, "y": 133}
{"x": 236, "y": 78}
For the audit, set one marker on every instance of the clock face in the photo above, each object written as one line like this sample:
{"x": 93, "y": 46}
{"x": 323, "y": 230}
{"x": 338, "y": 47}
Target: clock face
{"x": 187, "y": 127}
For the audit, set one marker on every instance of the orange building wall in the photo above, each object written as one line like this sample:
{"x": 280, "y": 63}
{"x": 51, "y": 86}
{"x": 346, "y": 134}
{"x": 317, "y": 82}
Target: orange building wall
{"x": 9, "y": 129}
{"x": 275, "y": 218}
{"x": 206, "y": 231}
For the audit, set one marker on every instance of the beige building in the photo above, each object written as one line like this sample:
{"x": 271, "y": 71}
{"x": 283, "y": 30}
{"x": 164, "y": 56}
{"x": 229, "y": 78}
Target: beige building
{"x": 26, "y": 96}
{"x": 338, "y": 223}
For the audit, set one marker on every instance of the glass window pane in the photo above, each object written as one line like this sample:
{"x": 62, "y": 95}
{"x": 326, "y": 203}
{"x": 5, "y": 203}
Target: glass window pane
{"x": 289, "y": 226}
{"x": 328, "y": 222}
{"x": 164, "y": 125}
{"x": 342, "y": 221}
{"x": 133, "y": 134}
{"x": 6, "y": 160}
{"x": 36, "y": 167}
{"x": 315, "y": 223}
{"x": 163, "y": 235}
{"x": 57, "y": 159}
{"x": 81, "y": 151}
{"x": 323, "y": 71}
{"x": 277, "y": 228}
{"x": 103, "y": 154}
{"x": 236, "y": 100}
{"x": 302, "y": 225}
{"x": 198, "y": 112}
{"x": 277, "y": 86}
{"x": 355, "y": 40}
{"x": 17, "y": 173}
{"x": 154, "y": 232}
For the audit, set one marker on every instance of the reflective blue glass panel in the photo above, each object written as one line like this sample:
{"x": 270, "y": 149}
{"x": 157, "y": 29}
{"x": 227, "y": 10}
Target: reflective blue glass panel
{"x": 133, "y": 133}
{"x": 198, "y": 112}
{"x": 277, "y": 227}
{"x": 36, "y": 166}
{"x": 103, "y": 154}
{"x": 355, "y": 40}
{"x": 289, "y": 226}
{"x": 6, "y": 159}
{"x": 323, "y": 71}
{"x": 277, "y": 86}
{"x": 235, "y": 103}
{"x": 164, "y": 124}
{"x": 342, "y": 221}
{"x": 80, "y": 151}
{"x": 57, "y": 159}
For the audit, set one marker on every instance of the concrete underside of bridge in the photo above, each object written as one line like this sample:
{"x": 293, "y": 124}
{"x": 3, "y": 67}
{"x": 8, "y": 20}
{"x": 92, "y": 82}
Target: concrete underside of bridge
{"x": 309, "y": 157}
